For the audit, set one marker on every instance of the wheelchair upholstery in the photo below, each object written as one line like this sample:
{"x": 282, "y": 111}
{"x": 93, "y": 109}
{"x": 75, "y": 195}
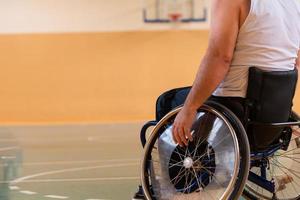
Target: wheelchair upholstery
{"x": 269, "y": 100}
{"x": 170, "y": 100}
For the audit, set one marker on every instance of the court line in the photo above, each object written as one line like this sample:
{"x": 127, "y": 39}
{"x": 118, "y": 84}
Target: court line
{"x": 56, "y": 197}
{"x": 75, "y": 162}
{"x": 18, "y": 180}
{"x": 6, "y": 158}
{"x": 14, "y": 187}
{"x": 27, "y": 192}
{"x": 78, "y": 179}
{"x": 9, "y": 148}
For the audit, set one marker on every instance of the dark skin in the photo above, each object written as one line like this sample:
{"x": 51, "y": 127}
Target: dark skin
{"x": 227, "y": 18}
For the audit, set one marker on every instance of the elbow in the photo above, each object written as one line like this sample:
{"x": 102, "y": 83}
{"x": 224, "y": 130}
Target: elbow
{"x": 220, "y": 57}
{"x": 221, "y": 61}
{"x": 224, "y": 57}
{"x": 227, "y": 59}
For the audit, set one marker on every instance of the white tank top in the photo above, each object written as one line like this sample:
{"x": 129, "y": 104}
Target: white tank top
{"x": 269, "y": 39}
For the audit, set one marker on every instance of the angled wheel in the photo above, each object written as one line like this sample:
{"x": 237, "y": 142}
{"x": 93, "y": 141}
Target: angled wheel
{"x": 283, "y": 169}
{"x": 214, "y": 166}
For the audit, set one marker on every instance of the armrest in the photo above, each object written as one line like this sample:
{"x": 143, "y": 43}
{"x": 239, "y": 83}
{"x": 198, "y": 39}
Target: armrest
{"x": 144, "y": 130}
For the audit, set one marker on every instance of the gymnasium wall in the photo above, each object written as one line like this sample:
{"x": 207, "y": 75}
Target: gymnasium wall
{"x": 70, "y": 61}
{"x": 93, "y": 77}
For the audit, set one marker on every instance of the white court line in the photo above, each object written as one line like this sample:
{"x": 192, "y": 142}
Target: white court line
{"x": 56, "y": 197}
{"x": 69, "y": 170}
{"x": 14, "y": 188}
{"x": 76, "y": 162}
{"x": 79, "y": 179}
{"x": 7, "y": 158}
{"x": 27, "y": 192}
{"x": 9, "y": 148}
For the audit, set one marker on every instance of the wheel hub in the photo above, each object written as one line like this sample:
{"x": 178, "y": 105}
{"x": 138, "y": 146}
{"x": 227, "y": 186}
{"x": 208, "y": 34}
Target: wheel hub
{"x": 192, "y": 172}
{"x": 188, "y": 162}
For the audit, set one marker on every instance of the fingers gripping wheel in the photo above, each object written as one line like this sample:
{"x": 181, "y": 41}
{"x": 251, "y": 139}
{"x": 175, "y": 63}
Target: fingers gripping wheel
{"x": 213, "y": 166}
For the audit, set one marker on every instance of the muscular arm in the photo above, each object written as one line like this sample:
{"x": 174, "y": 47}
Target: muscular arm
{"x": 216, "y": 62}
{"x": 214, "y": 66}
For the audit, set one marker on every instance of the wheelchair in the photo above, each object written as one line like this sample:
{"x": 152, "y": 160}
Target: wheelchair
{"x": 228, "y": 156}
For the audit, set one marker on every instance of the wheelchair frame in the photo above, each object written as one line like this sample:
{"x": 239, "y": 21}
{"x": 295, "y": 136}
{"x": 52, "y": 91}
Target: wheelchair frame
{"x": 258, "y": 159}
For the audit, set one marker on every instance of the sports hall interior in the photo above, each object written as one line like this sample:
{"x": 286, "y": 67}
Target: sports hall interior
{"x": 78, "y": 80}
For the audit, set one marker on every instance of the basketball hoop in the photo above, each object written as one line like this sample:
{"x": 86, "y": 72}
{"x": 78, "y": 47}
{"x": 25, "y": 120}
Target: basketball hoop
{"x": 175, "y": 17}
{"x": 175, "y": 12}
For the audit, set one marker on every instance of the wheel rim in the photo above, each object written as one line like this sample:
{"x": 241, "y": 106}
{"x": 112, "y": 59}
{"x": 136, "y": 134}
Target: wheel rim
{"x": 206, "y": 169}
{"x": 282, "y": 164}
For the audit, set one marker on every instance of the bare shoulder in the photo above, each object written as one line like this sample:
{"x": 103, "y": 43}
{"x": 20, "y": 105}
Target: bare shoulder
{"x": 228, "y": 5}
{"x": 245, "y": 6}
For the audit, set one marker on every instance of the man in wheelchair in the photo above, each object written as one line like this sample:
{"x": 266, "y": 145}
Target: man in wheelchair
{"x": 233, "y": 133}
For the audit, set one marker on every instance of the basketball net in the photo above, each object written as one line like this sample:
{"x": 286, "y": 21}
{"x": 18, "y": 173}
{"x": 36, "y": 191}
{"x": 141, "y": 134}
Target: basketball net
{"x": 175, "y": 18}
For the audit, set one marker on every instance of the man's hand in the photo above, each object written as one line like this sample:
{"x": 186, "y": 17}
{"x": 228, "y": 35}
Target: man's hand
{"x": 182, "y": 126}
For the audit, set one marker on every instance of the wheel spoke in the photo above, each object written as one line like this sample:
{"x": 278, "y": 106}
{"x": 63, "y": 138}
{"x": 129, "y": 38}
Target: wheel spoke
{"x": 214, "y": 177}
{"x": 176, "y": 164}
{"x": 179, "y": 154}
{"x": 196, "y": 177}
{"x": 280, "y": 168}
{"x": 285, "y": 153}
{"x": 179, "y": 176}
{"x": 291, "y": 170}
{"x": 292, "y": 183}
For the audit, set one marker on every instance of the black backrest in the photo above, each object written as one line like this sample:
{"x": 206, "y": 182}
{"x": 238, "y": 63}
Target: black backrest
{"x": 269, "y": 96}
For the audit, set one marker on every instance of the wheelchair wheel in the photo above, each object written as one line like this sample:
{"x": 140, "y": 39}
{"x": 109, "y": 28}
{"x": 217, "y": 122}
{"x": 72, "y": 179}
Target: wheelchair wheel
{"x": 214, "y": 165}
{"x": 283, "y": 164}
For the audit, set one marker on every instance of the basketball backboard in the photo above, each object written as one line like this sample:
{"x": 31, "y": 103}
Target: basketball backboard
{"x": 165, "y": 11}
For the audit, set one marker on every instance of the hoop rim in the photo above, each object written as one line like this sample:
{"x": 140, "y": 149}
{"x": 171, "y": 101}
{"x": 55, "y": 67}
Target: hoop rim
{"x": 175, "y": 16}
